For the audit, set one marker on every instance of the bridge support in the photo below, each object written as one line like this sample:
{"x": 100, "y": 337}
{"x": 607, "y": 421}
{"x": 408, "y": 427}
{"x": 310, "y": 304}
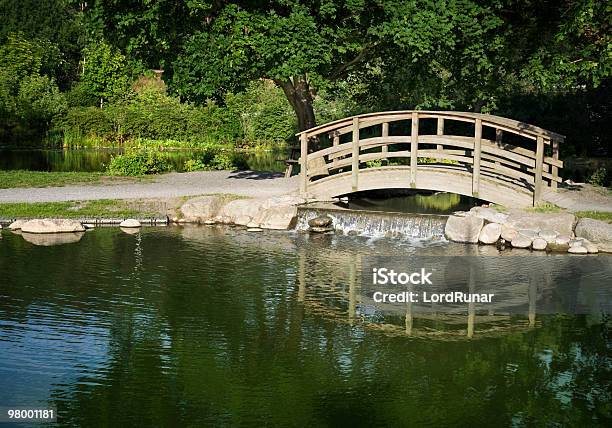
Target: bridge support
{"x": 414, "y": 149}
{"x": 355, "y": 156}
{"x": 477, "y": 153}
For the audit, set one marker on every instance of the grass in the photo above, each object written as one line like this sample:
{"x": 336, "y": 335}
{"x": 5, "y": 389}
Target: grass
{"x": 104, "y": 208}
{"x": 597, "y": 215}
{"x": 21, "y": 178}
{"x": 546, "y": 207}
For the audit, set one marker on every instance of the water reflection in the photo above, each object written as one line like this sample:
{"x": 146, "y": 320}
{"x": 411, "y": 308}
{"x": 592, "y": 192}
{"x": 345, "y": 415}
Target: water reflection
{"x": 216, "y": 326}
{"x": 96, "y": 160}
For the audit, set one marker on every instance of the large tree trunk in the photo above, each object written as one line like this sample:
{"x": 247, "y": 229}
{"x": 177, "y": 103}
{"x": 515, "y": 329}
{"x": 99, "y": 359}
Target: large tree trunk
{"x": 297, "y": 91}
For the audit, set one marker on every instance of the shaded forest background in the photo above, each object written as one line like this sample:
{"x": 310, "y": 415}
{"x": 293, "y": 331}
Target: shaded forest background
{"x": 254, "y": 72}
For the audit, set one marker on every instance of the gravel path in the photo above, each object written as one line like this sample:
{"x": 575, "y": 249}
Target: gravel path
{"x": 244, "y": 183}
{"x": 581, "y": 197}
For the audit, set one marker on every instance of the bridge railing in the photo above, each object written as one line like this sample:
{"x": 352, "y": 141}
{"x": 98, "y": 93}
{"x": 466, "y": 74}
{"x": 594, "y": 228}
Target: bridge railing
{"x": 533, "y": 168}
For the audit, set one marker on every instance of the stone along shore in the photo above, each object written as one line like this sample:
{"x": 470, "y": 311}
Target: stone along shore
{"x": 560, "y": 232}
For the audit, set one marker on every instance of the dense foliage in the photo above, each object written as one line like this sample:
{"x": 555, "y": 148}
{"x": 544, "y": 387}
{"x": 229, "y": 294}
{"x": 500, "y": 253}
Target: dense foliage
{"x": 252, "y": 72}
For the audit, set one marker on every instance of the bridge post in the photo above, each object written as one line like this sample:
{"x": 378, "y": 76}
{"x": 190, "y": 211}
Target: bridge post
{"x": 477, "y": 151}
{"x": 303, "y": 163}
{"x": 414, "y": 147}
{"x": 336, "y": 143}
{"x": 554, "y": 168}
{"x": 385, "y": 134}
{"x": 355, "y": 156}
{"x": 539, "y": 162}
{"x": 440, "y": 131}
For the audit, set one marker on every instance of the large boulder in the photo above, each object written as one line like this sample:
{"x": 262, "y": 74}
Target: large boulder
{"x": 490, "y": 233}
{"x": 241, "y": 211}
{"x": 284, "y": 200}
{"x": 16, "y": 225}
{"x": 489, "y": 214}
{"x": 508, "y": 233}
{"x": 560, "y": 223}
{"x": 277, "y": 217}
{"x": 130, "y": 223}
{"x": 539, "y": 244}
{"x": 463, "y": 229}
{"x": 596, "y": 231}
{"x": 202, "y": 208}
{"x": 48, "y": 225}
{"x": 50, "y": 239}
{"x": 521, "y": 241}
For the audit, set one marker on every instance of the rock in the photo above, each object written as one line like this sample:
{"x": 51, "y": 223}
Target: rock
{"x": 563, "y": 240}
{"x": 463, "y": 229}
{"x": 16, "y": 225}
{"x": 596, "y": 231}
{"x": 539, "y": 244}
{"x": 252, "y": 225}
{"x": 316, "y": 229}
{"x": 197, "y": 210}
{"x": 89, "y": 226}
{"x": 548, "y": 235}
{"x": 489, "y": 214}
{"x": 241, "y": 211}
{"x": 590, "y": 247}
{"x": 508, "y": 233}
{"x": 490, "y": 233}
{"x": 531, "y": 234}
{"x": 320, "y": 221}
{"x": 50, "y": 239}
{"x": 561, "y": 223}
{"x": 352, "y": 233}
{"x": 521, "y": 241}
{"x": 278, "y": 217}
{"x": 130, "y": 222}
{"x": 285, "y": 200}
{"x": 577, "y": 250}
{"x": 130, "y": 230}
{"x": 254, "y": 229}
{"x": 576, "y": 242}
{"x": 52, "y": 226}
{"x": 561, "y": 243}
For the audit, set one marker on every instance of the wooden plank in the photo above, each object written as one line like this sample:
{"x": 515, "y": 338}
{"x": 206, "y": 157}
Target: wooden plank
{"x": 498, "y": 136}
{"x": 537, "y": 194}
{"x": 355, "y": 156}
{"x": 555, "y": 169}
{"x": 385, "y": 135}
{"x": 477, "y": 150}
{"x": 335, "y": 144}
{"x": 414, "y": 148}
{"x": 303, "y": 164}
{"x": 440, "y": 131}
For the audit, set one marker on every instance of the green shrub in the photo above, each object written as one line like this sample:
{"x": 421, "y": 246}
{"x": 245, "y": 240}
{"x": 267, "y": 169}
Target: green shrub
{"x": 599, "y": 177}
{"x": 139, "y": 162}
{"x": 194, "y": 165}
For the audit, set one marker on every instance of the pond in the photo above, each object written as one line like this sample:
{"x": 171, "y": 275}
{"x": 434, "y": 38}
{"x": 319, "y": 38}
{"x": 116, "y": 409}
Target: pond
{"x": 95, "y": 160}
{"x": 216, "y": 326}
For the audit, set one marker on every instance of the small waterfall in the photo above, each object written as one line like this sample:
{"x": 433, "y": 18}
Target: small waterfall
{"x": 377, "y": 223}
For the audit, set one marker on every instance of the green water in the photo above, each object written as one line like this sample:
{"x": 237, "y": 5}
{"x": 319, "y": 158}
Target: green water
{"x": 95, "y": 160}
{"x": 211, "y": 326}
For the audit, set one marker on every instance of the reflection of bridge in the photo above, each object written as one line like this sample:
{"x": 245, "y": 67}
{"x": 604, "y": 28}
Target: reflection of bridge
{"x": 371, "y": 151}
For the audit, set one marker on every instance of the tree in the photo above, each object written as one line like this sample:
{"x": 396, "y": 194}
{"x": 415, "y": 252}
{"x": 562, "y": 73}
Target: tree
{"x": 104, "y": 71}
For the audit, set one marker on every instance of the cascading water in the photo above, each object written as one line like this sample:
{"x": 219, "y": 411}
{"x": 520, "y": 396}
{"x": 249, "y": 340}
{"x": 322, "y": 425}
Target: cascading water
{"x": 377, "y": 223}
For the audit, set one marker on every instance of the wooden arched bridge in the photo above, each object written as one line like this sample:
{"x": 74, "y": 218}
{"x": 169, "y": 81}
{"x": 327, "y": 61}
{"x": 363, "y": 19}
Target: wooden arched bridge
{"x": 489, "y": 157}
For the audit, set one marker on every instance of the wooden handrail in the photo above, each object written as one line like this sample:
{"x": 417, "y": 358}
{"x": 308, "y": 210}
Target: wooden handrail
{"x": 529, "y": 168}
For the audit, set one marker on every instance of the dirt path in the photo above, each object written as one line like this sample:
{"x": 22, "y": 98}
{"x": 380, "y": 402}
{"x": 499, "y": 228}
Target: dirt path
{"x": 243, "y": 183}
